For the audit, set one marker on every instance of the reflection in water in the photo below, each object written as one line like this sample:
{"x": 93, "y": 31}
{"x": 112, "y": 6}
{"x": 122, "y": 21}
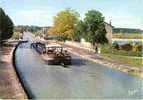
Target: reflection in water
{"x": 90, "y": 80}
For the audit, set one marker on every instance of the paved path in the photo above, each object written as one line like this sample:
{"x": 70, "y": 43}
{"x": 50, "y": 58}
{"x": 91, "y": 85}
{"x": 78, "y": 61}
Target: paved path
{"x": 84, "y": 79}
{"x": 10, "y": 88}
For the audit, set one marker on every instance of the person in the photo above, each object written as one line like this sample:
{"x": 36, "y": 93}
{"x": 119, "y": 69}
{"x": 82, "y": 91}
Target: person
{"x": 96, "y": 49}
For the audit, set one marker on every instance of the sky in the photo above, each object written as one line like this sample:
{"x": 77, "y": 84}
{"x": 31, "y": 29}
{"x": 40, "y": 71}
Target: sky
{"x": 121, "y": 13}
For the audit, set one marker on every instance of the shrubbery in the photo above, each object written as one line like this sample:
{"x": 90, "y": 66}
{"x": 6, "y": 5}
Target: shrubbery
{"x": 115, "y": 45}
{"x": 16, "y": 35}
{"x": 126, "y": 47}
{"x": 125, "y": 50}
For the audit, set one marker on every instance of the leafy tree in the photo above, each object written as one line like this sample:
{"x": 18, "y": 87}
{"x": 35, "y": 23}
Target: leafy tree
{"x": 79, "y": 30}
{"x": 64, "y": 23}
{"x": 2, "y": 18}
{"x": 6, "y": 26}
{"x": 8, "y": 29}
{"x": 96, "y": 32}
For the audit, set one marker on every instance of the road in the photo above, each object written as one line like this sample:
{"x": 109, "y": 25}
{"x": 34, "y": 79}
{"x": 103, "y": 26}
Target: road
{"x": 83, "y": 79}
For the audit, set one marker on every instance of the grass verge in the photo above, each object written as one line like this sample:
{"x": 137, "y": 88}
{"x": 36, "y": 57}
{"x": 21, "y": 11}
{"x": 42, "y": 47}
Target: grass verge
{"x": 133, "y": 61}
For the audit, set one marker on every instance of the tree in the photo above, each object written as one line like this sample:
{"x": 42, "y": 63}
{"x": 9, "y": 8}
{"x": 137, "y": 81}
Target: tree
{"x": 96, "y": 32}
{"x": 6, "y": 26}
{"x": 64, "y": 23}
{"x": 79, "y": 30}
{"x": 8, "y": 29}
{"x": 2, "y": 18}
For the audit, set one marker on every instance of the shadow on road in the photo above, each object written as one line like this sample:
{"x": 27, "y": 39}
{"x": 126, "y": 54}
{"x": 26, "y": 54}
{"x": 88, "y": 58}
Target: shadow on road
{"x": 78, "y": 62}
{"x": 75, "y": 62}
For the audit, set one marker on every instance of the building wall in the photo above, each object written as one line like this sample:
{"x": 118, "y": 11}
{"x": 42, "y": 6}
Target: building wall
{"x": 109, "y": 30}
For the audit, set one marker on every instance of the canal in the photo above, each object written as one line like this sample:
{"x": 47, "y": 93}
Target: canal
{"x": 83, "y": 79}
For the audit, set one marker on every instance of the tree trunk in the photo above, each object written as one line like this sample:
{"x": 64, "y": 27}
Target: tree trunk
{"x": 1, "y": 43}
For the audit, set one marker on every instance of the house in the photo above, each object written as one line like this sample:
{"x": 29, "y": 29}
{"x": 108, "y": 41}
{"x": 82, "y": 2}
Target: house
{"x": 109, "y": 30}
{"x": 123, "y": 34}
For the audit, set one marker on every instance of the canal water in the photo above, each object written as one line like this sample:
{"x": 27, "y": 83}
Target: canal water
{"x": 83, "y": 79}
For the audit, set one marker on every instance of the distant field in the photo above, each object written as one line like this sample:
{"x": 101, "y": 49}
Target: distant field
{"x": 127, "y": 36}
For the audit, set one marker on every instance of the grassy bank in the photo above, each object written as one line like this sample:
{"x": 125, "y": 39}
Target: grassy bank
{"x": 108, "y": 49}
{"x": 133, "y": 61}
{"x": 133, "y": 58}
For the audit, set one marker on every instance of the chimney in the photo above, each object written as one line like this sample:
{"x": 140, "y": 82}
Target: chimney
{"x": 110, "y": 23}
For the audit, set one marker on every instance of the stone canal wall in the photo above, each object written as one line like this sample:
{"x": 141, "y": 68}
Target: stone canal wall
{"x": 25, "y": 86}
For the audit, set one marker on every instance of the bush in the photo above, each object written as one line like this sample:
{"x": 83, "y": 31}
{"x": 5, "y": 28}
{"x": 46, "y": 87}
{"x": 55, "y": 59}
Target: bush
{"x": 108, "y": 49}
{"x": 16, "y": 35}
{"x": 140, "y": 47}
{"x": 137, "y": 47}
{"x": 126, "y": 47}
{"x": 115, "y": 45}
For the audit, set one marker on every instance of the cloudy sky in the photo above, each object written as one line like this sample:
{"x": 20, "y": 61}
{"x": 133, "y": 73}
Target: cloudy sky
{"x": 122, "y": 13}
